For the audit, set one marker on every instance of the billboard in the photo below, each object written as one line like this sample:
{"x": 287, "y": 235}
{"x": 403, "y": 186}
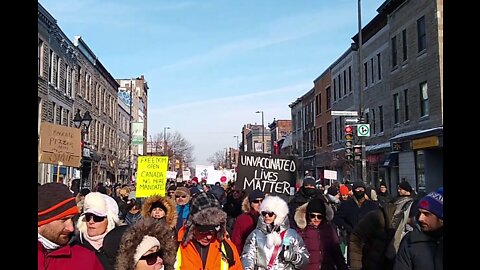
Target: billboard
{"x": 137, "y": 133}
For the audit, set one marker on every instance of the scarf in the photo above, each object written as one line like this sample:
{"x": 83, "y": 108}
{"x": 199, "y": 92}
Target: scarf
{"x": 95, "y": 241}
{"x": 47, "y": 244}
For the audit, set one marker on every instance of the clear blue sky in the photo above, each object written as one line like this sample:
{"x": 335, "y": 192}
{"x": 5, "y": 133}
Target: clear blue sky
{"x": 210, "y": 64}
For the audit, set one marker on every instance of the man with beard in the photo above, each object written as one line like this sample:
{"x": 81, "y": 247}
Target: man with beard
{"x": 56, "y": 209}
{"x": 351, "y": 211}
{"x": 422, "y": 248}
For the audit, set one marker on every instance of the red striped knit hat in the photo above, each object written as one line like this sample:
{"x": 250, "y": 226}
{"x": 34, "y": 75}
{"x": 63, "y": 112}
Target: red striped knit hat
{"x": 55, "y": 201}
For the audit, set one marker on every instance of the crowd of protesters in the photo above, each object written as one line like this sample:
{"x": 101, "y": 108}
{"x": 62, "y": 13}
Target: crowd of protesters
{"x": 200, "y": 226}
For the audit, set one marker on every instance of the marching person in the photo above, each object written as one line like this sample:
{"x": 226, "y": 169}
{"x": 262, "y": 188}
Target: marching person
{"x": 422, "y": 248}
{"x": 203, "y": 244}
{"x": 273, "y": 245}
{"x": 160, "y": 207}
{"x": 146, "y": 245}
{"x": 56, "y": 209}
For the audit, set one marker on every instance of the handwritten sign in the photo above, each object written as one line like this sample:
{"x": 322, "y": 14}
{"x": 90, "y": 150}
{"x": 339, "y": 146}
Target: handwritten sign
{"x": 274, "y": 175}
{"x": 151, "y": 175}
{"x": 59, "y": 145}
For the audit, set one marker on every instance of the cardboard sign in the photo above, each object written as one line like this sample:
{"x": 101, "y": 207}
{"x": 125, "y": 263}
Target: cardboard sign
{"x": 59, "y": 145}
{"x": 274, "y": 175}
{"x": 151, "y": 176}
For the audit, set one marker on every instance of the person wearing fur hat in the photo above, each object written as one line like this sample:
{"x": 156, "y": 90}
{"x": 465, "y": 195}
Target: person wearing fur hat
{"x": 426, "y": 239}
{"x": 246, "y": 222}
{"x": 320, "y": 237}
{"x": 100, "y": 217}
{"x": 159, "y": 207}
{"x": 203, "y": 242}
{"x": 273, "y": 244}
{"x": 145, "y": 246}
{"x": 56, "y": 209}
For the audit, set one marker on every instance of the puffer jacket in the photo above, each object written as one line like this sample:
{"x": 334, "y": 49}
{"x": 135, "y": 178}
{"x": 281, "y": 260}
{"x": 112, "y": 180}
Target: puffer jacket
{"x": 170, "y": 216}
{"x": 254, "y": 252}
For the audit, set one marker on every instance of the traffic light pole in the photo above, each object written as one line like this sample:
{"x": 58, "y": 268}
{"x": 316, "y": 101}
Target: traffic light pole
{"x": 360, "y": 92}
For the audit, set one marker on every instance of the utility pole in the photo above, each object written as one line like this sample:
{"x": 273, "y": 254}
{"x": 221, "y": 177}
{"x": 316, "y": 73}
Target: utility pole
{"x": 263, "y": 132}
{"x": 360, "y": 93}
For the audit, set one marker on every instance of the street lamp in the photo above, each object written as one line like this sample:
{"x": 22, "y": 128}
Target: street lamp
{"x": 83, "y": 123}
{"x": 263, "y": 133}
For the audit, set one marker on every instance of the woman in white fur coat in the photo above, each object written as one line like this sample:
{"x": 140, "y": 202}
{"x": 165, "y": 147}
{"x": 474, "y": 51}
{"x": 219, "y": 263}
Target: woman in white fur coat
{"x": 273, "y": 245}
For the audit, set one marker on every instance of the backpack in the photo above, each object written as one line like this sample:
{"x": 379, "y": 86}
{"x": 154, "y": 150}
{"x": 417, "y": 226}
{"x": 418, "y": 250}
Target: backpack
{"x": 396, "y": 228}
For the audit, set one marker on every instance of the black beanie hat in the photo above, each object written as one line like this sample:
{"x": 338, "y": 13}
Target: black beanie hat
{"x": 255, "y": 194}
{"x": 405, "y": 186}
{"x": 158, "y": 204}
{"x": 332, "y": 191}
{"x": 316, "y": 206}
{"x": 55, "y": 201}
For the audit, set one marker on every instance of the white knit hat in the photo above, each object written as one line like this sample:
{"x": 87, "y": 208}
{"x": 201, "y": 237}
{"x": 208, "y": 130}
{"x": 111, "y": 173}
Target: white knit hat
{"x": 147, "y": 243}
{"x": 101, "y": 205}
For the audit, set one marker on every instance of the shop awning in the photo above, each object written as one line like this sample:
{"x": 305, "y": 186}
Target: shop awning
{"x": 391, "y": 160}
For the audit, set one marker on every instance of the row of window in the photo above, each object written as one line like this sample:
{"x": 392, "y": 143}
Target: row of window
{"x": 421, "y": 42}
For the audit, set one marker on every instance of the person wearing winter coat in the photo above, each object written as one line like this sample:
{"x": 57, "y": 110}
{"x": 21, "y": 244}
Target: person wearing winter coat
{"x": 203, "y": 241}
{"x": 422, "y": 248}
{"x": 247, "y": 222}
{"x": 320, "y": 237}
{"x": 160, "y": 207}
{"x": 56, "y": 209}
{"x": 146, "y": 245}
{"x": 273, "y": 244}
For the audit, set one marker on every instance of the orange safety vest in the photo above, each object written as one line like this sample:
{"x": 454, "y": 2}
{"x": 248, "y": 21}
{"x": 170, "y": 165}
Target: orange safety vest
{"x": 188, "y": 258}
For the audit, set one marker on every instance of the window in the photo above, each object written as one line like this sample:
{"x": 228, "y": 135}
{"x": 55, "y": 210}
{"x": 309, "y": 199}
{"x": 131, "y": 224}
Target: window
{"x": 394, "y": 51}
{"x": 365, "y": 72}
{"x": 421, "y": 34}
{"x": 380, "y": 115}
{"x": 405, "y": 97}
{"x": 345, "y": 82}
{"x": 54, "y": 113}
{"x": 374, "y": 130}
{"x": 320, "y": 138}
{"x": 66, "y": 80}
{"x": 423, "y": 99}
{"x": 339, "y": 80}
{"x": 318, "y": 104}
{"x": 373, "y": 71}
{"x": 57, "y": 72}
{"x": 379, "y": 67}
{"x": 404, "y": 44}
{"x": 396, "y": 108}
{"x": 51, "y": 69}
{"x": 334, "y": 89}
{"x": 420, "y": 169}
{"x": 336, "y": 129}
{"x": 350, "y": 78}
{"x": 72, "y": 83}
{"x": 41, "y": 46}
{"x": 329, "y": 96}
{"x": 329, "y": 133}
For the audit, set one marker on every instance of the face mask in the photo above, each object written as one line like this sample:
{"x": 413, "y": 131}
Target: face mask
{"x": 310, "y": 191}
{"x": 359, "y": 194}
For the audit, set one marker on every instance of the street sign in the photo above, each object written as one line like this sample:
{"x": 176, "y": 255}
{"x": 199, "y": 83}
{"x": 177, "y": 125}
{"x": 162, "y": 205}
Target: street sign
{"x": 363, "y": 130}
{"x": 344, "y": 113}
{"x": 351, "y": 120}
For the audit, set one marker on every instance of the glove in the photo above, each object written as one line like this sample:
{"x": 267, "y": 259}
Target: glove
{"x": 289, "y": 255}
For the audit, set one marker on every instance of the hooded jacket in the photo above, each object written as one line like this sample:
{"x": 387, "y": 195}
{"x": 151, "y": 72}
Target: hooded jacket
{"x": 133, "y": 236}
{"x": 170, "y": 215}
{"x": 244, "y": 225}
{"x": 265, "y": 237}
{"x": 322, "y": 243}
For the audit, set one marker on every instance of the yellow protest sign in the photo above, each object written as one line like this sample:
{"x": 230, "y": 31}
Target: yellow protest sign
{"x": 151, "y": 175}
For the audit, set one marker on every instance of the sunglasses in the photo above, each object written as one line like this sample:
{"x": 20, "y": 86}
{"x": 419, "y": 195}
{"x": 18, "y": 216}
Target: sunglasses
{"x": 318, "y": 216}
{"x": 152, "y": 257}
{"x": 89, "y": 216}
{"x": 270, "y": 214}
{"x": 183, "y": 196}
{"x": 257, "y": 201}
